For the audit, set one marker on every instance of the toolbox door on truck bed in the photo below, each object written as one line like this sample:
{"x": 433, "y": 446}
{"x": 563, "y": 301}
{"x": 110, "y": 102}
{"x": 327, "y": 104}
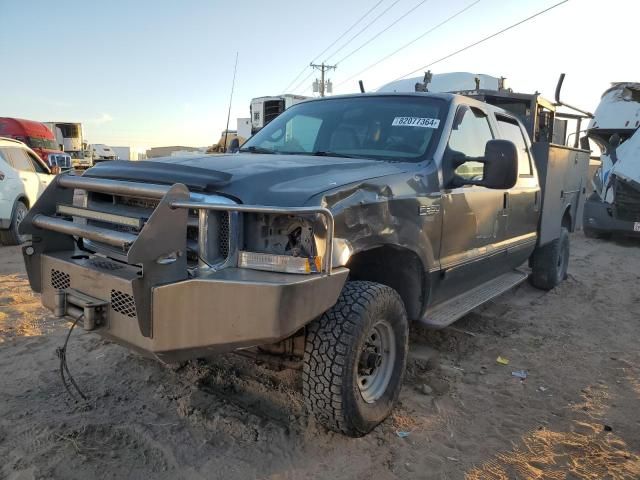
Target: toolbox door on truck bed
{"x": 563, "y": 173}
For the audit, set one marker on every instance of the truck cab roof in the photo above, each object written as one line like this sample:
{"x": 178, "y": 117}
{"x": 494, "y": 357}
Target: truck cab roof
{"x": 27, "y": 128}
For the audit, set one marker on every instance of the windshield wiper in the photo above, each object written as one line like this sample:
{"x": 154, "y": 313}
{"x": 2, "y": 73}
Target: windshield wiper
{"x": 325, "y": 153}
{"x": 253, "y": 149}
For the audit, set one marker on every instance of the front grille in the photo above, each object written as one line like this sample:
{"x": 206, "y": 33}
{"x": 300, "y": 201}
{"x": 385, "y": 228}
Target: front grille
{"x": 218, "y": 240}
{"x": 627, "y": 201}
{"x": 104, "y": 264}
{"x": 60, "y": 280}
{"x": 223, "y": 234}
{"x": 138, "y": 202}
{"x": 123, "y": 303}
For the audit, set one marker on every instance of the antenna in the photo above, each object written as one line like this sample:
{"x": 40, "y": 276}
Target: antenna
{"x": 233, "y": 84}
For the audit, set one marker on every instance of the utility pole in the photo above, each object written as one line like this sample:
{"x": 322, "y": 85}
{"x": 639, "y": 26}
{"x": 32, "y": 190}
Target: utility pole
{"x": 323, "y": 68}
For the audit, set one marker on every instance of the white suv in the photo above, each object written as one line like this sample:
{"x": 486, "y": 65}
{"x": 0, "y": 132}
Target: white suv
{"x": 23, "y": 177}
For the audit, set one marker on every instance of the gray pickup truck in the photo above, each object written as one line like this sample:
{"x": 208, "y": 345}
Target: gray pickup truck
{"x": 338, "y": 224}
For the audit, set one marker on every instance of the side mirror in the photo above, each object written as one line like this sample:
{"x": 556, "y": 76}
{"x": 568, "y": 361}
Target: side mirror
{"x": 500, "y": 165}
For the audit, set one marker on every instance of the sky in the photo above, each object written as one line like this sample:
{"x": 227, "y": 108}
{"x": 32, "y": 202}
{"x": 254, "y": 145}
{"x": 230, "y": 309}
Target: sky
{"x": 155, "y": 73}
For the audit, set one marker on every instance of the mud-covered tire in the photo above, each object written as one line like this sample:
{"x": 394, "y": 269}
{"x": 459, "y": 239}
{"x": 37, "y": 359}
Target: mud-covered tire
{"x": 12, "y": 236}
{"x": 549, "y": 263}
{"x": 333, "y": 365}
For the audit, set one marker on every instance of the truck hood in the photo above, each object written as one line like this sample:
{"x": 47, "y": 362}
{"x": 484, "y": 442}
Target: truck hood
{"x": 263, "y": 179}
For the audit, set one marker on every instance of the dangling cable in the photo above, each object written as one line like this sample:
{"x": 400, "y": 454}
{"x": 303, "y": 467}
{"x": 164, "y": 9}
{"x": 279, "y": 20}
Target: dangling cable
{"x": 61, "y": 352}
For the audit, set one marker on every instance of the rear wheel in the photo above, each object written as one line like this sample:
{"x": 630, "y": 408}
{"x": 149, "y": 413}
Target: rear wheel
{"x": 550, "y": 262}
{"x": 355, "y": 357}
{"x": 12, "y": 236}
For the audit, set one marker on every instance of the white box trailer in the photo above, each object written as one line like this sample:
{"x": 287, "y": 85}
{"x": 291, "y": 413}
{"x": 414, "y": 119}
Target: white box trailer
{"x": 265, "y": 109}
{"x": 244, "y": 127}
{"x": 69, "y": 137}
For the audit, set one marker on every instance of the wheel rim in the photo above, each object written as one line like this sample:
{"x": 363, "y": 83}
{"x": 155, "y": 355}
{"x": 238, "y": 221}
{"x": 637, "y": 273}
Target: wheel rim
{"x": 376, "y": 361}
{"x": 562, "y": 262}
{"x": 21, "y": 212}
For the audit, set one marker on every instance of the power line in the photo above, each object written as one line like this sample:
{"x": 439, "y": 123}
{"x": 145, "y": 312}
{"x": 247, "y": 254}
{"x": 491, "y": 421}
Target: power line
{"x": 296, "y": 78}
{"x": 363, "y": 29}
{"x": 420, "y": 37}
{"x": 347, "y": 31}
{"x": 493, "y": 35}
{"x": 334, "y": 42}
{"x": 297, "y": 87}
{"x": 381, "y": 32}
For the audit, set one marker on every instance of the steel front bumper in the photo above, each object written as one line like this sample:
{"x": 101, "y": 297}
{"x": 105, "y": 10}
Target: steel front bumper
{"x": 598, "y": 217}
{"x": 216, "y": 312}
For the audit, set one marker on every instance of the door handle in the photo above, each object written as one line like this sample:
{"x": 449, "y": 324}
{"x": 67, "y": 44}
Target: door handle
{"x": 505, "y": 201}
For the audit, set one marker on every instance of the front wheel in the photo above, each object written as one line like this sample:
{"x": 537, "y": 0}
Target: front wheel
{"x": 355, "y": 357}
{"x": 12, "y": 236}
{"x": 549, "y": 263}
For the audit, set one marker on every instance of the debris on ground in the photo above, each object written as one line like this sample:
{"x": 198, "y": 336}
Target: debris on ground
{"x": 502, "y": 361}
{"x": 426, "y": 389}
{"x": 521, "y": 374}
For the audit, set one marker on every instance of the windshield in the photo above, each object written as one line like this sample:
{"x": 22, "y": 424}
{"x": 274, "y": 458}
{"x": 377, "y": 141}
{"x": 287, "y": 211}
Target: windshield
{"x": 378, "y": 127}
{"x": 35, "y": 142}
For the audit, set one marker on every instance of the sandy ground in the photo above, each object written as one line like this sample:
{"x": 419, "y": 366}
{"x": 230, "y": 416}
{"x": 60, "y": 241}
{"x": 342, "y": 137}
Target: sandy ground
{"x": 576, "y": 416}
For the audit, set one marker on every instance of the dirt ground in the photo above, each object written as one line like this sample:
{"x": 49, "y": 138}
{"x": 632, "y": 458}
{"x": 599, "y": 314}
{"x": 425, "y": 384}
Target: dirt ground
{"x": 462, "y": 415}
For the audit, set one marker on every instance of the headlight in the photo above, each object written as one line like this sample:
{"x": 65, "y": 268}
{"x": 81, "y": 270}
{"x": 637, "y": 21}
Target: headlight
{"x": 279, "y": 263}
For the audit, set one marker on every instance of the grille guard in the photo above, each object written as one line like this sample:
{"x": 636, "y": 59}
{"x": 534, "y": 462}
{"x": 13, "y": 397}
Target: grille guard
{"x": 160, "y": 246}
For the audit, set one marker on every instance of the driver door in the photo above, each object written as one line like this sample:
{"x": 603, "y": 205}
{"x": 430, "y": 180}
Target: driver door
{"x": 475, "y": 217}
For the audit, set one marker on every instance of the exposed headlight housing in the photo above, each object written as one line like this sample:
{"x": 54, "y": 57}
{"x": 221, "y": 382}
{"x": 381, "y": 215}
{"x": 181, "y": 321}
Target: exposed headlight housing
{"x": 282, "y": 243}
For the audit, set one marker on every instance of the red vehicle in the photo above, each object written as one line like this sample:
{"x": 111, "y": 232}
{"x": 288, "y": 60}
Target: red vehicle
{"x": 37, "y": 136}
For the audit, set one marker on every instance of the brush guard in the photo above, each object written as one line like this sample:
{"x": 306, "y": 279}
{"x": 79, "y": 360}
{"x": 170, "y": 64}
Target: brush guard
{"x": 156, "y": 262}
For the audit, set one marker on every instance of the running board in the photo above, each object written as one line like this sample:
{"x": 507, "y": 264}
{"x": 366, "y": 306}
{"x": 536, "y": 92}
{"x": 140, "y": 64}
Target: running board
{"x": 444, "y": 314}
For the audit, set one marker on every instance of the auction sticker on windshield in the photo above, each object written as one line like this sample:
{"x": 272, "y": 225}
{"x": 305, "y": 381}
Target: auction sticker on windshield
{"x": 416, "y": 122}
{"x": 636, "y": 227}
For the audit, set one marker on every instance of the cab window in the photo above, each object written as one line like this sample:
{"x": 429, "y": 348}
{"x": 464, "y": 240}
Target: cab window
{"x": 469, "y": 137}
{"x": 510, "y": 130}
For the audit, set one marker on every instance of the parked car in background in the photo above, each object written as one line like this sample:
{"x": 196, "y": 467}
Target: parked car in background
{"x": 23, "y": 177}
{"x": 38, "y": 137}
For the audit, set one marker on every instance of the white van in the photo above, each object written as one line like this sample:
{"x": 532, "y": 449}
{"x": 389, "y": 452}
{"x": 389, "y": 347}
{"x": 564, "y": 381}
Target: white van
{"x": 23, "y": 177}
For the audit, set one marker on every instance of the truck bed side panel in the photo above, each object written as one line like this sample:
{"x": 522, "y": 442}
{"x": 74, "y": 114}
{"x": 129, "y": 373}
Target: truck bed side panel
{"x": 563, "y": 175}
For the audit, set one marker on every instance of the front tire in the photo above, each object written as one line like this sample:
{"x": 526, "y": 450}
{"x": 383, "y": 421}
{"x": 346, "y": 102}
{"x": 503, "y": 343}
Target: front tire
{"x": 549, "y": 263}
{"x": 355, "y": 358}
{"x": 12, "y": 236}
